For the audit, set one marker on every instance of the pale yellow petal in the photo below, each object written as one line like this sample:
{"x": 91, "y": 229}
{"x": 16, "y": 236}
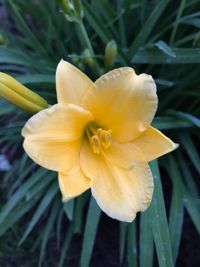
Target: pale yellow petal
{"x": 53, "y": 136}
{"x": 72, "y": 185}
{"x": 154, "y": 144}
{"x": 120, "y": 193}
{"x": 123, "y": 155}
{"x": 71, "y": 83}
{"x": 122, "y": 101}
{"x": 54, "y": 155}
{"x": 59, "y": 122}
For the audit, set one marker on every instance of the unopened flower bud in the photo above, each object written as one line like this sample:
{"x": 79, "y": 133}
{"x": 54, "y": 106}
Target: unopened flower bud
{"x": 75, "y": 59}
{"x": 110, "y": 54}
{"x": 78, "y": 8}
{"x": 88, "y": 59}
{"x": 65, "y": 5}
{"x": 2, "y": 39}
{"x": 19, "y": 95}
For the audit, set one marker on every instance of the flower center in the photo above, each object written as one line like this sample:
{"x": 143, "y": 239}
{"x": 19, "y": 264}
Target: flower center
{"x": 99, "y": 138}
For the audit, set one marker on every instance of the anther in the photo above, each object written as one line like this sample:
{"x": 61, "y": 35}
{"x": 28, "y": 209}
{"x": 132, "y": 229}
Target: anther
{"x": 105, "y": 138}
{"x": 95, "y": 144}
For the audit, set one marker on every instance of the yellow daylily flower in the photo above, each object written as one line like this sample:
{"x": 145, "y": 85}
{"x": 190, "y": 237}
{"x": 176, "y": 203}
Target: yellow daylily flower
{"x": 99, "y": 136}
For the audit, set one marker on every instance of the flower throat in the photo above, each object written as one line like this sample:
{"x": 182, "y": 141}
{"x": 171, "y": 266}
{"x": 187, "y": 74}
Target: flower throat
{"x": 99, "y": 138}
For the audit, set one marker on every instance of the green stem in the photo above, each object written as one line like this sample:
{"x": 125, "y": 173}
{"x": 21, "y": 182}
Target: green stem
{"x": 84, "y": 37}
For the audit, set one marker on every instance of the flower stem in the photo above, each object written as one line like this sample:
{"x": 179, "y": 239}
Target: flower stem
{"x": 85, "y": 38}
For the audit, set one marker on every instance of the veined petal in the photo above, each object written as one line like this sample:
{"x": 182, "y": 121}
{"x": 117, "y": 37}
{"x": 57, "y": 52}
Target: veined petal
{"x": 53, "y": 136}
{"x": 71, "y": 83}
{"x": 72, "y": 185}
{"x": 154, "y": 144}
{"x": 54, "y": 155}
{"x": 120, "y": 193}
{"x": 59, "y": 123}
{"x": 123, "y": 155}
{"x": 122, "y": 101}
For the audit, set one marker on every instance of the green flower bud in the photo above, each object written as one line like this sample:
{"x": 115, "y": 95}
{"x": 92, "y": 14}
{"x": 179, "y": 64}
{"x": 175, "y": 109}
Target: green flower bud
{"x": 78, "y": 8}
{"x": 65, "y": 5}
{"x": 2, "y": 39}
{"x": 75, "y": 59}
{"x": 110, "y": 54}
{"x": 88, "y": 59}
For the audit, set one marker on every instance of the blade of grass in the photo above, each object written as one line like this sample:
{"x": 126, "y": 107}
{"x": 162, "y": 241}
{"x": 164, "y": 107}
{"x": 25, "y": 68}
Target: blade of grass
{"x": 122, "y": 240}
{"x": 65, "y": 246}
{"x": 36, "y": 78}
{"x": 92, "y": 221}
{"x": 165, "y": 48}
{"x": 25, "y": 29}
{"x": 145, "y": 31}
{"x": 176, "y": 209}
{"x": 166, "y": 123}
{"x": 189, "y": 179}
{"x": 191, "y": 150}
{"x": 69, "y": 209}
{"x": 146, "y": 240}
{"x": 159, "y": 221}
{"x": 154, "y": 56}
{"x": 17, "y": 213}
{"x": 132, "y": 245}
{"x": 176, "y": 24}
{"x": 48, "y": 229}
{"x": 193, "y": 209}
{"x": 20, "y": 193}
{"x": 47, "y": 199}
{"x": 81, "y": 202}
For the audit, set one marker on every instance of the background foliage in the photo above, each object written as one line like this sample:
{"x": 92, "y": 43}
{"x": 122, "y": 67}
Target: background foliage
{"x": 159, "y": 37}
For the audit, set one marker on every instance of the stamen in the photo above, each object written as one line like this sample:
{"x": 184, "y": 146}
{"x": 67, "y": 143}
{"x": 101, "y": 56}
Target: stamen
{"x": 99, "y": 138}
{"x": 95, "y": 144}
{"x": 106, "y": 142}
{"x": 100, "y": 133}
{"x": 105, "y": 138}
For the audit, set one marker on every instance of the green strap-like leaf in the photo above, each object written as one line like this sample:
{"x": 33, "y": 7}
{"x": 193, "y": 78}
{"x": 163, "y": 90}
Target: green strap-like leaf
{"x": 191, "y": 150}
{"x": 159, "y": 221}
{"x": 122, "y": 240}
{"x": 154, "y": 56}
{"x": 69, "y": 209}
{"x": 132, "y": 245}
{"x": 165, "y": 48}
{"x": 47, "y": 199}
{"x": 147, "y": 27}
{"x": 192, "y": 207}
{"x": 176, "y": 209}
{"x": 65, "y": 246}
{"x": 146, "y": 240}
{"x": 48, "y": 228}
{"x": 21, "y": 192}
{"x": 92, "y": 221}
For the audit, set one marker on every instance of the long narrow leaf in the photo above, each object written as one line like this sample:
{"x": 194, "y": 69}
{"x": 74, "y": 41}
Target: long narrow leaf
{"x": 159, "y": 222}
{"x": 90, "y": 231}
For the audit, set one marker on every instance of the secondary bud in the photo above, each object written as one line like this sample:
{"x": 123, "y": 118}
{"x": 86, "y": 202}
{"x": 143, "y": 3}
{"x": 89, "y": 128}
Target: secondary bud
{"x": 78, "y": 8}
{"x": 65, "y": 5}
{"x": 88, "y": 59}
{"x": 2, "y": 39}
{"x": 110, "y": 54}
